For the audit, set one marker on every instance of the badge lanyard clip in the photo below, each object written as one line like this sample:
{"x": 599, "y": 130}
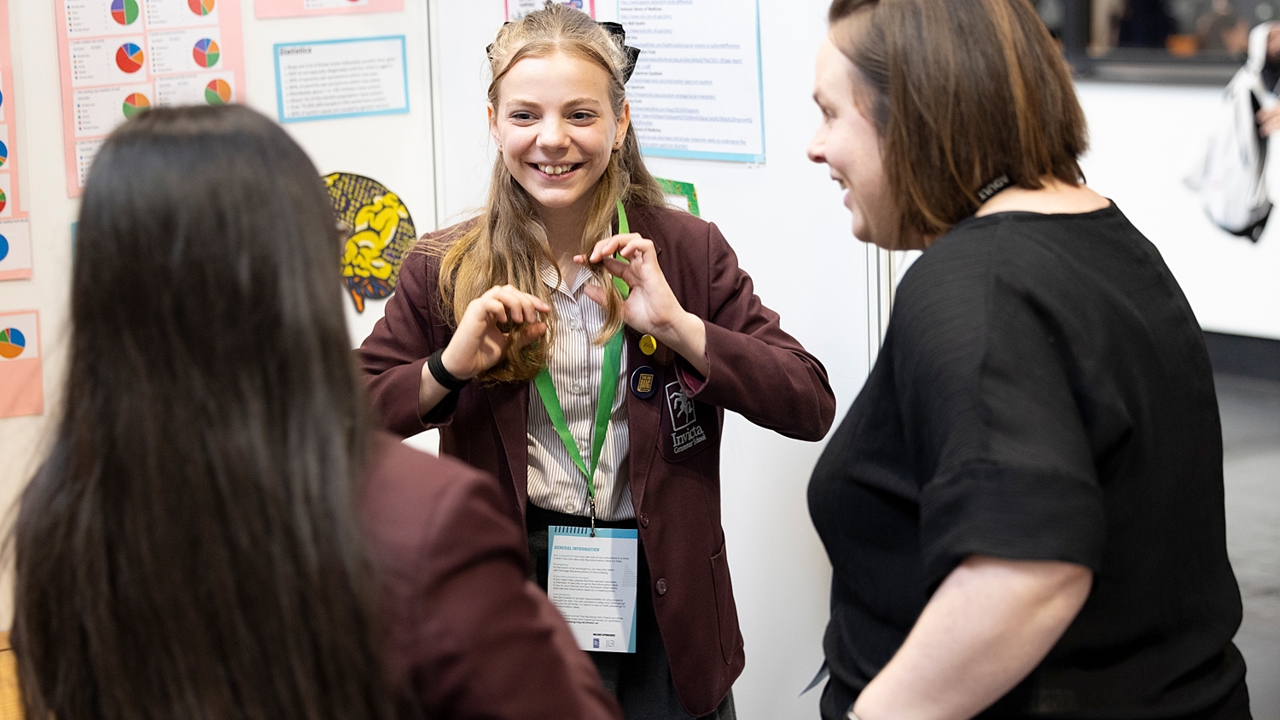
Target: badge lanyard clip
{"x": 604, "y": 405}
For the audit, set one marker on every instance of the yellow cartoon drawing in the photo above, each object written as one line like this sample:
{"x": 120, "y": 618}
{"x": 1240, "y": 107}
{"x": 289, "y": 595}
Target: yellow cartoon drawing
{"x": 382, "y": 233}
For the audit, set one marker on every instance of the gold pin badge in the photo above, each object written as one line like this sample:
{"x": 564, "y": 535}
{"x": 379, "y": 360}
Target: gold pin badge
{"x": 648, "y": 345}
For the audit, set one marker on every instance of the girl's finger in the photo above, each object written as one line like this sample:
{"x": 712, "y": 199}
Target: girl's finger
{"x": 617, "y": 268}
{"x": 495, "y": 311}
{"x": 530, "y": 333}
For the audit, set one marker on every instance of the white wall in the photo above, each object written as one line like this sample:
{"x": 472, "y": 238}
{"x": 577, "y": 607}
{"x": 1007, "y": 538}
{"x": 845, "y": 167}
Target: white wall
{"x": 1145, "y": 140}
{"x": 785, "y": 220}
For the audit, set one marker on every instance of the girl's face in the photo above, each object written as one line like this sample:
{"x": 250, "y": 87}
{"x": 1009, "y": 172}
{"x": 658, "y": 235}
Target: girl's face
{"x": 556, "y": 129}
{"x": 848, "y": 143}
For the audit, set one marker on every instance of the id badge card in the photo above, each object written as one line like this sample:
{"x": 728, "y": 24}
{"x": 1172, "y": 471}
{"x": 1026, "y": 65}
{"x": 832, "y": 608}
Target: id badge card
{"x": 592, "y": 581}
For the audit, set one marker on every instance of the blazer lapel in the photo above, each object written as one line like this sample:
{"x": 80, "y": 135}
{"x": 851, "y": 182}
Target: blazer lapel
{"x": 643, "y": 420}
{"x": 510, "y": 403}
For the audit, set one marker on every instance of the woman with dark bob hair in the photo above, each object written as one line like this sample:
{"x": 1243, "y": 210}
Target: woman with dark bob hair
{"x": 1024, "y": 506}
{"x": 217, "y": 532}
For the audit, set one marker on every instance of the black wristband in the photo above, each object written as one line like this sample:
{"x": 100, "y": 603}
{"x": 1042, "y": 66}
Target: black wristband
{"x": 442, "y": 374}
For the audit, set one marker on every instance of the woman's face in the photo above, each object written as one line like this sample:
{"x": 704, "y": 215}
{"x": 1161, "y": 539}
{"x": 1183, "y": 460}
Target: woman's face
{"x": 556, "y": 129}
{"x": 850, "y": 146}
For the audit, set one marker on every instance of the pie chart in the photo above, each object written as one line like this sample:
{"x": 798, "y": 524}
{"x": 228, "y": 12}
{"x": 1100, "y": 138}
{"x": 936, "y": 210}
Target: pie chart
{"x": 4, "y": 247}
{"x": 206, "y": 53}
{"x": 4, "y": 153}
{"x": 12, "y": 343}
{"x": 4, "y": 200}
{"x": 200, "y": 7}
{"x": 124, "y": 12}
{"x": 217, "y": 92}
{"x": 134, "y": 104}
{"x": 129, "y": 57}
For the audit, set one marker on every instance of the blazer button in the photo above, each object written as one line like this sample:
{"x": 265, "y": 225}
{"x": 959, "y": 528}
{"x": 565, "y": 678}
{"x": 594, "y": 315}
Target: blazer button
{"x": 644, "y": 520}
{"x": 662, "y": 586}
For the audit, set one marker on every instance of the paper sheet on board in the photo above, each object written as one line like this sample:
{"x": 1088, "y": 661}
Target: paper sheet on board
{"x": 342, "y": 78}
{"x": 697, "y": 91}
{"x": 267, "y": 9}
{"x": 21, "y": 368}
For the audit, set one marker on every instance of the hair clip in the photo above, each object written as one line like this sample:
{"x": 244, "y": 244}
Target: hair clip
{"x": 619, "y": 35}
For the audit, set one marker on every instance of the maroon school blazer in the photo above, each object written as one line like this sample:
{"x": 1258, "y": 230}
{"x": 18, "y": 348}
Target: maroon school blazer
{"x": 757, "y": 370}
{"x": 468, "y": 634}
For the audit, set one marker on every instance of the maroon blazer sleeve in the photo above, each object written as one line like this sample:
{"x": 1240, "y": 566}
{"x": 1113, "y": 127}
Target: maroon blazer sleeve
{"x": 391, "y": 358}
{"x": 757, "y": 370}
{"x": 470, "y": 635}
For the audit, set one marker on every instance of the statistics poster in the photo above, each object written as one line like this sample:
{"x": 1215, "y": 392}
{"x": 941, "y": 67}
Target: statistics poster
{"x": 21, "y": 371}
{"x": 268, "y": 9}
{"x": 344, "y": 78}
{"x": 697, "y": 91}
{"x": 120, "y": 57}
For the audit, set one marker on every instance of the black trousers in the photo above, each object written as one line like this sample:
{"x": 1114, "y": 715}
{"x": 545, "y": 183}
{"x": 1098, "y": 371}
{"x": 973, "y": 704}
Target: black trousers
{"x": 642, "y": 680}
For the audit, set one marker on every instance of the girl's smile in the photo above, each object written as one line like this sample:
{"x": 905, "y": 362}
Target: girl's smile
{"x": 556, "y": 130}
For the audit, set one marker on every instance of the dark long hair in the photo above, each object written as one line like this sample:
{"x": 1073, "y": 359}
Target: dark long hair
{"x": 190, "y": 548}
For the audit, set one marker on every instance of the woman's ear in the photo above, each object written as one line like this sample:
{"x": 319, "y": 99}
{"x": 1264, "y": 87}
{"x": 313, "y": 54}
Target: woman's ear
{"x": 624, "y": 122}
{"x": 493, "y": 125}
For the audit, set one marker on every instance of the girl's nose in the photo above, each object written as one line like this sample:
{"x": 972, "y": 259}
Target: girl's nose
{"x": 552, "y": 134}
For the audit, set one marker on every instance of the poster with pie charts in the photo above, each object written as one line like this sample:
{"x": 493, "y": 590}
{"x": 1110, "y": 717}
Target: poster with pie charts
{"x": 121, "y": 57}
{"x": 15, "y": 235}
{"x": 15, "y": 249}
{"x": 21, "y": 369}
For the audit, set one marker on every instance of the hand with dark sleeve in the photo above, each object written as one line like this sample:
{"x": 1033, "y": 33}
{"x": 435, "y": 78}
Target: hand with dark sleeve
{"x": 394, "y": 356}
{"x": 472, "y": 636}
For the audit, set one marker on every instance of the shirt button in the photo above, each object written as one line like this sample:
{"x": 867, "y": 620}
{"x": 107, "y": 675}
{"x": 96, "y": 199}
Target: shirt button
{"x": 644, "y": 520}
{"x": 662, "y": 586}
{"x": 577, "y": 388}
{"x": 573, "y": 324}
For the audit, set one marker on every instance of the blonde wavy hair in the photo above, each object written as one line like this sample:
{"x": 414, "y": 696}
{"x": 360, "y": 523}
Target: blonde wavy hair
{"x": 507, "y": 245}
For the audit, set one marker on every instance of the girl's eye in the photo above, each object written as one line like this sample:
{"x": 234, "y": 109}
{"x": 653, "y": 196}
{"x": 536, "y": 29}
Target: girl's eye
{"x": 582, "y": 116}
{"x": 521, "y": 116}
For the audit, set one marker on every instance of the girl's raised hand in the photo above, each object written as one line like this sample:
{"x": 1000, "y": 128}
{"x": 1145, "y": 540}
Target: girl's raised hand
{"x": 651, "y": 307}
{"x": 501, "y": 316}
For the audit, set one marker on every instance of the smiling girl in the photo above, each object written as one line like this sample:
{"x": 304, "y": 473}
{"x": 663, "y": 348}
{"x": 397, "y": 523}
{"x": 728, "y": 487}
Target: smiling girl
{"x": 581, "y": 341}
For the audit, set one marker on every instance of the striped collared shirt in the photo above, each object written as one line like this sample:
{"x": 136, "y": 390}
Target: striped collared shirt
{"x": 575, "y": 362}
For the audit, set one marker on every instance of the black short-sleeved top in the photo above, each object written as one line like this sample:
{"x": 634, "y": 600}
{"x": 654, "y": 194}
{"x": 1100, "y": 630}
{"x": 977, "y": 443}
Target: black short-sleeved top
{"x": 1043, "y": 393}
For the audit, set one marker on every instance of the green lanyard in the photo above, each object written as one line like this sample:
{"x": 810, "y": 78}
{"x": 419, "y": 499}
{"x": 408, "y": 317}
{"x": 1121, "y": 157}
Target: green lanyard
{"x": 604, "y": 405}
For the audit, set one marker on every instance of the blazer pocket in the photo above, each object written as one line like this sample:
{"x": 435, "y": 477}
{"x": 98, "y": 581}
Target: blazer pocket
{"x": 688, "y": 426}
{"x": 726, "y": 608}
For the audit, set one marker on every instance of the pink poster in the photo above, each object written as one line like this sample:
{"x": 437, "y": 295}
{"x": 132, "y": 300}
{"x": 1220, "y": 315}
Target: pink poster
{"x": 120, "y": 57}
{"x": 15, "y": 235}
{"x": 21, "y": 372}
{"x": 266, "y": 9}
